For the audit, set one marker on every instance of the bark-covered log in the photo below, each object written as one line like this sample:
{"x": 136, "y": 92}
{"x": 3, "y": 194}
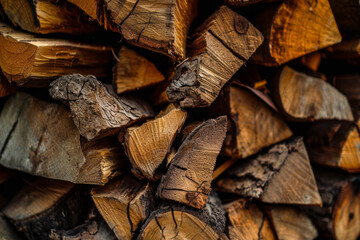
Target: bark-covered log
{"x": 96, "y": 109}
{"x": 221, "y": 45}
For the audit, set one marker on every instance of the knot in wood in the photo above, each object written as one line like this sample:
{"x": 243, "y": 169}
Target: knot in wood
{"x": 241, "y": 25}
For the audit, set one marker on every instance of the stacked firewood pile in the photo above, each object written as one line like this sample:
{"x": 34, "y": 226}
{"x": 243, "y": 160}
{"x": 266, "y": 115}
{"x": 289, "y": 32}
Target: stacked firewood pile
{"x": 185, "y": 119}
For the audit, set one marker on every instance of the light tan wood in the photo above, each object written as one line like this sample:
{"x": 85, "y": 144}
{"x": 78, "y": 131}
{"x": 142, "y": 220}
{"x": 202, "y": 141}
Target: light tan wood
{"x": 33, "y": 61}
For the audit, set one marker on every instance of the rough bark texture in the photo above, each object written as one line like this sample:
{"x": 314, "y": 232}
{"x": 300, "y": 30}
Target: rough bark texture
{"x": 96, "y": 110}
{"x": 217, "y": 51}
{"x": 188, "y": 179}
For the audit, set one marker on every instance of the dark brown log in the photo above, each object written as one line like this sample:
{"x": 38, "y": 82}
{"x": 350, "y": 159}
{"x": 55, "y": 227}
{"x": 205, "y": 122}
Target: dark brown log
{"x": 6, "y": 230}
{"x": 217, "y": 51}
{"x": 96, "y": 110}
{"x": 188, "y": 179}
{"x": 6, "y": 88}
{"x": 271, "y": 175}
{"x": 348, "y": 50}
{"x": 347, "y": 15}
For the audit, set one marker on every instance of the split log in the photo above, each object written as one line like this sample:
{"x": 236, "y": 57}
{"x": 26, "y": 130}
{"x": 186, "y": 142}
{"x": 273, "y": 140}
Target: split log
{"x": 271, "y": 175}
{"x": 335, "y": 144}
{"x": 242, "y": 3}
{"x": 33, "y": 62}
{"x": 294, "y": 29}
{"x": 147, "y": 145}
{"x": 133, "y": 72}
{"x": 305, "y": 98}
{"x": 40, "y": 138}
{"x": 247, "y": 222}
{"x": 124, "y": 203}
{"x": 253, "y": 123}
{"x": 6, "y": 230}
{"x": 180, "y": 222}
{"x": 347, "y": 15}
{"x": 160, "y": 26}
{"x": 96, "y": 110}
{"x": 6, "y": 88}
{"x": 188, "y": 179}
{"x": 45, "y": 204}
{"x": 47, "y": 16}
{"x": 291, "y": 224}
{"x": 218, "y": 50}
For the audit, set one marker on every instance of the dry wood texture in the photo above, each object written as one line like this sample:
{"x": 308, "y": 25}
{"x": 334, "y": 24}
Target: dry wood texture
{"x": 6, "y": 230}
{"x": 124, "y": 203}
{"x": 33, "y": 61}
{"x": 40, "y": 138}
{"x": 270, "y": 176}
{"x": 96, "y": 110}
{"x": 147, "y": 145}
{"x": 293, "y": 29}
{"x": 219, "y": 48}
{"x": 301, "y": 97}
{"x": 133, "y": 71}
{"x": 188, "y": 179}
{"x": 347, "y": 15}
{"x": 47, "y": 16}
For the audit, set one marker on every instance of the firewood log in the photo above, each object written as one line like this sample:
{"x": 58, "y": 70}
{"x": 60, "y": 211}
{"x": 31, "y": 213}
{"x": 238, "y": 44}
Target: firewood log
{"x": 221, "y": 45}
{"x": 32, "y": 61}
{"x": 6, "y": 88}
{"x": 271, "y": 175}
{"x": 339, "y": 218}
{"x": 303, "y": 98}
{"x": 133, "y": 71}
{"x": 293, "y": 29}
{"x": 188, "y": 179}
{"x": 96, "y": 109}
{"x": 147, "y": 145}
{"x": 48, "y": 16}
{"x": 347, "y": 15}
{"x": 6, "y": 230}
{"x": 171, "y": 221}
{"x": 45, "y": 204}
{"x": 40, "y": 138}
{"x": 124, "y": 203}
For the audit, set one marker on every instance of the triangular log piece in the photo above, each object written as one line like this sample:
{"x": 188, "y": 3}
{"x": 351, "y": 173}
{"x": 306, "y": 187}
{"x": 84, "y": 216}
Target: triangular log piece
{"x": 246, "y": 221}
{"x": 304, "y": 98}
{"x": 147, "y": 145}
{"x": 6, "y": 88}
{"x": 253, "y": 123}
{"x": 293, "y": 29}
{"x": 271, "y": 175}
{"x": 188, "y": 179}
{"x": 334, "y": 144}
{"x": 339, "y": 218}
{"x": 96, "y": 109}
{"x": 6, "y": 230}
{"x": 133, "y": 71}
{"x": 347, "y": 15}
{"x": 45, "y": 204}
{"x": 218, "y": 50}
{"x": 290, "y": 223}
{"x": 34, "y": 62}
{"x": 180, "y": 222}
{"x": 124, "y": 203}
{"x": 40, "y": 138}
{"x": 158, "y": 25}
{"x": 242, "y": 3}
{"x": 48, "y": 16}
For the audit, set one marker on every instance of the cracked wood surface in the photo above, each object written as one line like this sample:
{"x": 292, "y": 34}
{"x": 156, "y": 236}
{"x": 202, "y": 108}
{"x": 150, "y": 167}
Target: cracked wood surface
{"x": 148, "y": 144}
{"x": 172, "y": 221}
{"x": 301, "y": 97}
{"x": 124, "y": 203}
{"x": 270, "y": 175}
{"x": 31, "y": 61}
{"x": 188, "y": 179}
{"x": 40, "y": 138}
{"x": 217, "y": 51}
{"x": 96, "y": 110}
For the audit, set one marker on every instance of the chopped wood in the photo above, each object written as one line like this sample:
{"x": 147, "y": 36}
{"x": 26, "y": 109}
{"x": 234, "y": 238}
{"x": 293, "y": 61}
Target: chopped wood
{"x": 294, "y": 29}
{"x": 218, "y": 50}
{"x": 269, "y": 176}
{"x": 31, "y": 61}
{"x": 40, "y": 138}
{"x": 6, "y": 230}
{"x": 96, "y": 110}
{"x": 188, "y": 179}
{"x": 301, "y": 97}
{"x": 133, "y": 72}
{"x": 147, "y": 145}
{"x": 124, "y": 203}
{"x": 180, "y": 222}
{"x": 347, "y": 15}
{"x": 47, "y": 16}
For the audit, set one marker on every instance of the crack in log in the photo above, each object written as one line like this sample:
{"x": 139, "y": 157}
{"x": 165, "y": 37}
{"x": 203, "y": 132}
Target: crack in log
{"x": 131, "y": 11}
{"x": 184, "y": 169}
{"x": 162, "y": 229}
{"x": 8, "y": 137}
{"x": 261, "y": 226}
